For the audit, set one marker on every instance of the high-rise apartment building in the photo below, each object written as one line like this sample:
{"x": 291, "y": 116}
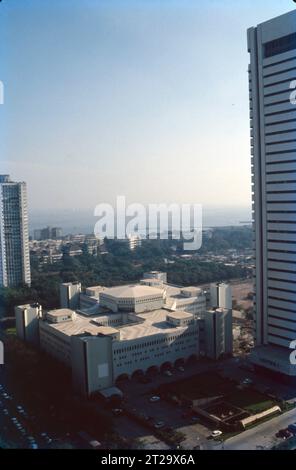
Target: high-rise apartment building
{"x": 14, "y": 234}
{"x": 272, "y": 75}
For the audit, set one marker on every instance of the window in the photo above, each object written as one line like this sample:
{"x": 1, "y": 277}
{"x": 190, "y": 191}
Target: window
{"x": 278, "y": 46}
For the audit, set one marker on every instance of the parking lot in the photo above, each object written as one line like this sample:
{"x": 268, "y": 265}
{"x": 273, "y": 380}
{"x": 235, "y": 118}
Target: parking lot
{"x": 18, "y": 425}
{"x": 173, "y": 416}
{"x": 168, "y": 416}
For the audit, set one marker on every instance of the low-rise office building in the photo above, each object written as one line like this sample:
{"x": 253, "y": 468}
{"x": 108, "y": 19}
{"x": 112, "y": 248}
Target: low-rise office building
{"x": 125, "y": 330}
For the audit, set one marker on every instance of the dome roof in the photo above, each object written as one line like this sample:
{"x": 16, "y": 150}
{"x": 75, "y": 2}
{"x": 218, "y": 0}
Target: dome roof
{"x": 133, "y": 291}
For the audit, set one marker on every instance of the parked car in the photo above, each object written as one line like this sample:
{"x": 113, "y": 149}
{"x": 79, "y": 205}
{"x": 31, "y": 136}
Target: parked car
{"x": 284, "y": 433}
{"x": 168, "y": 373}
{"x": 117, "y": 411}
{"x": 159, "y": 424}
{"x": 247, "y": 381}
{"x": 154, "y": 399}
{"x": 216, "y": 433}
{"x": 292, "y": 428}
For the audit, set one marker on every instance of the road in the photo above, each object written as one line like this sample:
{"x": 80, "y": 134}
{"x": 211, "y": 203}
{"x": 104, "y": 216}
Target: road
{"x": 261, "y": 436}
{"x": 19, "y": 423}
{"x": 18, "y": 427}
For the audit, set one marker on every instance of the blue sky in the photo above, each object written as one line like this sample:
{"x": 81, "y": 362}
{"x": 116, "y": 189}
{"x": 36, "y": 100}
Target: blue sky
{"x": 148, "y": 99}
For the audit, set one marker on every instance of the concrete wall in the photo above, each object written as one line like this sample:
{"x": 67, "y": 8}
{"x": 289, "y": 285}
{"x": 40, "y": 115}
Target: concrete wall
{"x": 155, "y": 350}
{"x": 27, "y": 322}
{"x": 55, "y": 343}
{"x": 92, "y": 367}
{"x": 137, "y": 305}
{"x": 218, "y": 333}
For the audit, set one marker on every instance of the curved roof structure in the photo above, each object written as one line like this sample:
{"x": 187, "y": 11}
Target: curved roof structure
{"x": 133, "y": 291}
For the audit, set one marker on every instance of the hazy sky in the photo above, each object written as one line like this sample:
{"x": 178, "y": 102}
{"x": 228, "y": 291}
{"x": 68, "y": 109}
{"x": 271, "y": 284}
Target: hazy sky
{"x": 145, "y": 98}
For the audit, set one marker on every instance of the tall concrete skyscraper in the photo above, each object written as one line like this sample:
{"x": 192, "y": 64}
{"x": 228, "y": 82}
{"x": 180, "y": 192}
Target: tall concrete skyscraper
{"x": 14, "y": 234}
{"x": 272, "y": 75}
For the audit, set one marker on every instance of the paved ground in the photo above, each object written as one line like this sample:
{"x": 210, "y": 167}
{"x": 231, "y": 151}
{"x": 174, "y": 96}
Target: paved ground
{"x": 232, "y": 369}
{"x": 131, "y": 430}
{"x": 262, "y": 436}
{"x": 137, "y": 394}
{"x": 196, "y": 434}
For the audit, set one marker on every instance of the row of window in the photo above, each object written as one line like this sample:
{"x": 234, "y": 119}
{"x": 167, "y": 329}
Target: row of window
{"x": 280, "y": 45}
{"x": 140, "y": 353}
{"x": 168, "y": 339}
{"x": 157, "y": 356}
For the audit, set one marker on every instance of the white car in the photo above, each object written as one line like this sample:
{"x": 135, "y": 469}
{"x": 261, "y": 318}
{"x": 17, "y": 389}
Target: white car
{"x": 216, "y": 433}
{"x": 247, "y": 381}
{"x": 154, "y": 399}
{"x": 159, "y": 425}
{"x": 168, "y": 373}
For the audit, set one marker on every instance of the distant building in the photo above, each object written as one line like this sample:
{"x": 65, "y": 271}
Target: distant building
{"x": 221, "y": 295}
{"x": 134, "y": 241}
{"x": 272, "y": 48}
{"x": 48, "y": 233}
{"x": 56, "y": 233}
{"x": 161, "y": 276}
{"x": 14, "y": 234}
{"x": 69, "y": 294}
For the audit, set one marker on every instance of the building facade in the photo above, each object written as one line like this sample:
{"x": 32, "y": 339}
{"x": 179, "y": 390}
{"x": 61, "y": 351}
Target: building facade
{"x": 221, "y": 295}
{"x": 218, "y": 331}
{"x": 69, "y": 294}
{"x": 272, "y": 71}
{"x": 14, "y": 234}
{"x": 27, "y": 322}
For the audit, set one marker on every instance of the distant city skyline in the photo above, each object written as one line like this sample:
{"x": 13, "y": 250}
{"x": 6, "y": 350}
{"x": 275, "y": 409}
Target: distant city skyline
{"x": 144, "y": 99}
{"x": 83, "y": 221}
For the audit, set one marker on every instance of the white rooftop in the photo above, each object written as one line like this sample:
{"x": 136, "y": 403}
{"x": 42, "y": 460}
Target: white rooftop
{"x": 150, "y": 323}
{"x": 133, "y": 291}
